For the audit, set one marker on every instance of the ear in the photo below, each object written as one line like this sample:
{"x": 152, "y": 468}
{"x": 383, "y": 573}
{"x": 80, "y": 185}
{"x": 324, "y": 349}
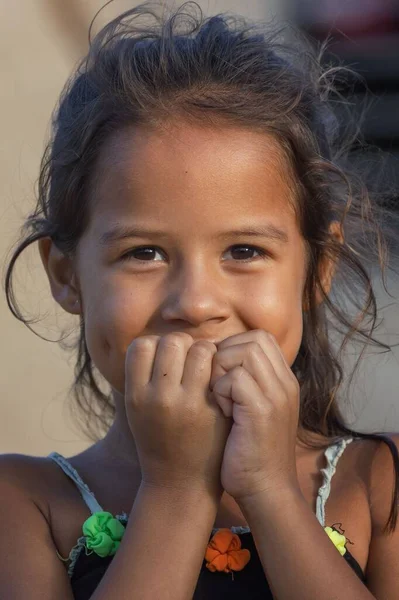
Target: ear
{"x": 327, "y": 266}
{"x": 61, "y": 274}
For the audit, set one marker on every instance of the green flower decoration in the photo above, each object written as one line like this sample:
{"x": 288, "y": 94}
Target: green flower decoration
{"x": 337, "y": 538}
{"x": 103, "y": 533}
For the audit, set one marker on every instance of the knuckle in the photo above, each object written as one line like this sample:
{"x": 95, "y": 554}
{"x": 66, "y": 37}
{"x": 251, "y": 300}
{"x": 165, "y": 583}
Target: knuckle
{"x": 255, "y": 348}
{"x": 143, "y": 343}
{"x": 165, "y": 403}
{"x": 203, "y": 348}
{"x": 261, "y": 334}
{"x": 183, "y": 335}
{"x": 136, "y": 398}
{"x": 210, "y": 346}
{"x": 265, "y": 410}
{"x": 177, "y": 339}
{"x": 238, "y": 372}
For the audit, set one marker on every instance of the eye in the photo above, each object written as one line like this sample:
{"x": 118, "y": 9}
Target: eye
{"x": 241, "y": 252}
{"x": 147, "y": 251}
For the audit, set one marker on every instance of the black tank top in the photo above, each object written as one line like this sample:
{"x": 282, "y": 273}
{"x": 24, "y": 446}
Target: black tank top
{"x": 86, "y": 568}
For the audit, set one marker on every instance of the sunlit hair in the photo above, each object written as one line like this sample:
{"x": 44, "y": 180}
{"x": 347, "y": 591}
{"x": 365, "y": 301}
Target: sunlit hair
{"x": 149, "y": 66}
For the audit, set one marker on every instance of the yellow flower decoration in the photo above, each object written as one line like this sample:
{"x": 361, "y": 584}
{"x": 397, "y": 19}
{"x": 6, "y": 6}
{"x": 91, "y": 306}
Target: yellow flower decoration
{"x": 337, "y": 539}
{"x": 103, "y": 533}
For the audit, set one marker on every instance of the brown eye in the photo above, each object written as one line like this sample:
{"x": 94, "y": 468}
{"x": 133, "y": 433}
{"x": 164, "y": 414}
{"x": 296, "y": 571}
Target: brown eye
{"x": 242, "y": 253}
{"x": 141, "y": 254}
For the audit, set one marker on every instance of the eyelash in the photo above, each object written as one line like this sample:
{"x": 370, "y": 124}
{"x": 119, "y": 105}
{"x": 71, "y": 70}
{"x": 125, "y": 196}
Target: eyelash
{"x": 262, "y": 253}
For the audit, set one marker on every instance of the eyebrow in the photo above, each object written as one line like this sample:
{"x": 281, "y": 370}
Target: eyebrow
{"x": 121, "y": 232}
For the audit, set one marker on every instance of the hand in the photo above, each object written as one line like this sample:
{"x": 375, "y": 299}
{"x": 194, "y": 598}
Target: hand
{"x": 252, "y": 383}
{"x": 179, "y": 431}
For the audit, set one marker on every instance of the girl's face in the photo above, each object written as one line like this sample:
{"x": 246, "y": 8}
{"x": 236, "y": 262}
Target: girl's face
{"x": 185, "y": 193}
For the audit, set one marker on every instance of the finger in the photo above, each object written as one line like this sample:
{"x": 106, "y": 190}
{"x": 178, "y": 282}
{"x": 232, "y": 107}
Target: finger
{"x": 198, "y": 367}
{"x": 139, "y": 360}
{"x": 269, "y": 345}
{"x": 276, "y": 356}
{"x": 238, "y": 387}
{"x": 170, "y": 358}
{"x": 251, "y": 357}
{"x": 224, "y": 403}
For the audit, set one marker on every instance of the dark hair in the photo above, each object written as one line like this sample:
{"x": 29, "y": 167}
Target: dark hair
{"x": 222, "y": 70}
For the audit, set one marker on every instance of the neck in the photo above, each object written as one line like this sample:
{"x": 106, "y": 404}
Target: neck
{"x": 118, "y": 444}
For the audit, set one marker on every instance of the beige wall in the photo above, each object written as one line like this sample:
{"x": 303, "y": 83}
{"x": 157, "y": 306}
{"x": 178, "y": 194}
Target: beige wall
{"x": 40, "y": 42}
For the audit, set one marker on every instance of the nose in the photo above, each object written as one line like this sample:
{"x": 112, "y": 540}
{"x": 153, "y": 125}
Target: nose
{"x": 195, "y": 296}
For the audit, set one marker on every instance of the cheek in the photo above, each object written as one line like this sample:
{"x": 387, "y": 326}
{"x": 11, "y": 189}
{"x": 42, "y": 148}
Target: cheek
{"x": 277, "y": 308}
{"x": 290, "y": 336}
{"x": 286, "y": 324}
{"x": 112, "y": 321}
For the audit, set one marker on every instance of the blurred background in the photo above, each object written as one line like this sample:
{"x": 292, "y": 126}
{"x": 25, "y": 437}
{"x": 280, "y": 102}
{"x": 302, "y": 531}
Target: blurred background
{"x": 40, "y": 42}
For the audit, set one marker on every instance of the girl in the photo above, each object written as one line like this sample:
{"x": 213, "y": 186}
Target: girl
{"x": 207, "y": 148}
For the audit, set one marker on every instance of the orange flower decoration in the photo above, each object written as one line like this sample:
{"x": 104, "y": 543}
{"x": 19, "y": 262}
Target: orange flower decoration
{"x": 224, "y": 552}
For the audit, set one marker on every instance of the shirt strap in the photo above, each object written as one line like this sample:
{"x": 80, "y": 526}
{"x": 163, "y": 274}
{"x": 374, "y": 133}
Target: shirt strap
{"x": 83, "y": 488}
{"x": 332, "y": 454}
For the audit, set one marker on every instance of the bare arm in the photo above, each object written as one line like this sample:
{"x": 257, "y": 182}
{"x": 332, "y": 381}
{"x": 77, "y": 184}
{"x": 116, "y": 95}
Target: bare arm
{"x": 383, "y": 563}
{"x": 175, "y": 508}
{"x": 29, "y": 566}
{"x": 289, "y": 539}
{"x": 167, "y": 533}
{"x": 316, "y": 569}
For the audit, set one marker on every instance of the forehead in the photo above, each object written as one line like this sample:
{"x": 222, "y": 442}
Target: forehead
{"x": 186, "y": 170}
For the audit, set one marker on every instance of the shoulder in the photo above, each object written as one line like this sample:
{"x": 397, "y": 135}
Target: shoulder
{"x": 383, "y": 480}
{"x": 29, "y": 566}
{"x": 30, "y": 476}
{"x": 20, "y": 469}
{"x": 374, "y": 463}
{"x": 380, "y": 465}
